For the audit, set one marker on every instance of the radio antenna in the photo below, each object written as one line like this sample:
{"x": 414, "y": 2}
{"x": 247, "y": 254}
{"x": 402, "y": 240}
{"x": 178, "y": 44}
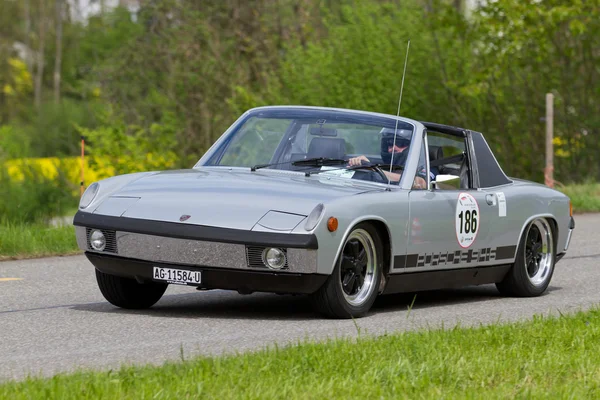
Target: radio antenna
{"x": 398, "y": 113}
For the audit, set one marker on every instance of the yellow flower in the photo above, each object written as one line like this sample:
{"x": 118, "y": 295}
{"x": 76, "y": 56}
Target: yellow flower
{"x": 8, "y": 90}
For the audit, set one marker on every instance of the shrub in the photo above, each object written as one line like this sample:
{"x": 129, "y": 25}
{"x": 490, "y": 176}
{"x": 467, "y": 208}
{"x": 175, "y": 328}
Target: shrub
{"x": 119, "y": 148}
{"x": 36, "y": 197}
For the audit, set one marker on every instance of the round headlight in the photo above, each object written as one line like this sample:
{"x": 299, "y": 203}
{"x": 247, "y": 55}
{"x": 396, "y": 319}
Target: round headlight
{"x": 314, "y": 217}
{"x": 274, "y": 258}
{"x": 89, "y": 195}
{"x": 97, "y": 240}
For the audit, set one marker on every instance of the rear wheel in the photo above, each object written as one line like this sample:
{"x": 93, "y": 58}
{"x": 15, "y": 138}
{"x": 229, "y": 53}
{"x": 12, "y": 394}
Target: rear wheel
{"x": 532, "y": 271}
{"x": 129, "y": 293}
{"x": 353, "y": 286}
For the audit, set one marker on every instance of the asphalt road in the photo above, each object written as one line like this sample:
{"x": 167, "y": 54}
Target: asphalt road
{"x": 54, "y": 319}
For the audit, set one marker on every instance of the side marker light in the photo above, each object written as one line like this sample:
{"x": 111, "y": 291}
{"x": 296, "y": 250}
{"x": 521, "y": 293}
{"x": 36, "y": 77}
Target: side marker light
{"x": 570, "y": 209}
{"x": 332, "y": 224}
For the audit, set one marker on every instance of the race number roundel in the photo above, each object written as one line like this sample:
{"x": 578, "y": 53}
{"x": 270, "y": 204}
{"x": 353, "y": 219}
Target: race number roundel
{"x": 467, "y": 220}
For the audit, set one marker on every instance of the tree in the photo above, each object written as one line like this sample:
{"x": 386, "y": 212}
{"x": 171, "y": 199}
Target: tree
{"x": 40, "y": 61}
{"x": 58, "y": 52}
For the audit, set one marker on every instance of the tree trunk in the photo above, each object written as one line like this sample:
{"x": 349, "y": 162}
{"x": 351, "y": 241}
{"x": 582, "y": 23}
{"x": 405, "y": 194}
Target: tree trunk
{"x": 459, "y": 5}
{"x": 205, "y": 121}
{"x": 29, "y": 52}
{"x": 58, "y": 55}
{"x": 40, "y": 56}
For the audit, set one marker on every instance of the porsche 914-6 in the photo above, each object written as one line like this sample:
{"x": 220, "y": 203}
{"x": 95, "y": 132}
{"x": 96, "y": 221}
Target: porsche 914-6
{"x": 340, "y": 205}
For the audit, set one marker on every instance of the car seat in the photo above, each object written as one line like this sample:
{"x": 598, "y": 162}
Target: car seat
{"x": 464, "y": 174}
{"x": 326, "y": 148}
{"x": 435, "y": 153}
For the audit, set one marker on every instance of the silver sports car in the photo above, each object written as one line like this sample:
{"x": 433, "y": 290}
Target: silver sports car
{"x": 340, "y": 205}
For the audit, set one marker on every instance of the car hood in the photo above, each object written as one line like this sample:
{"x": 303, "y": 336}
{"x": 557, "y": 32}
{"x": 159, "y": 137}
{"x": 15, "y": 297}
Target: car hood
{"x": 230, "y": 198}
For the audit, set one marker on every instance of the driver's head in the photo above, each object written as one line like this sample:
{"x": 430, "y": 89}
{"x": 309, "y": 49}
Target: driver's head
{"x": 397, "y": 146}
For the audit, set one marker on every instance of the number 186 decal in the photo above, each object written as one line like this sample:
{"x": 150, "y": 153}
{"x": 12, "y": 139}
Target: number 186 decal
{"x": 467, "y": 219}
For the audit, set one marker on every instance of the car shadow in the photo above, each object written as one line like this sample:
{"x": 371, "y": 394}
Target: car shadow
{"x": 219, "y": 304}
{"x": 266, "y": 306}
{"x": 441, "y": 297}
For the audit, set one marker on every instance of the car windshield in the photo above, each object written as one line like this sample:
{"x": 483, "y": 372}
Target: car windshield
{"x": 280, "y": 138}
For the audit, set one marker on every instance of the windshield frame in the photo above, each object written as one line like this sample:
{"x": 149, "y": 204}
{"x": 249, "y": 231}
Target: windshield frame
{"x": 214, "y": 154}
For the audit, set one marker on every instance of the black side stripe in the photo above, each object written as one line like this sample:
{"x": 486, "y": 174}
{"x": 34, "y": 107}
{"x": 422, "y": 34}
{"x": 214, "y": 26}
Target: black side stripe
{"x": 505, "y": 252}
{"x": 456, "y": 257}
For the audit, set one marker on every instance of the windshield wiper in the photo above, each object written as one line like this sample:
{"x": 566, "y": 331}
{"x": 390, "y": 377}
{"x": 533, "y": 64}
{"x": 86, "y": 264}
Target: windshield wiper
{"x": 259, "y": 166}
{"x": 335, "y": 161}
{"x": 319, "y": 162}
{"x": 309, "y": 162}
{"x": 375, "y": 166}
{"x": 325, "y": 161}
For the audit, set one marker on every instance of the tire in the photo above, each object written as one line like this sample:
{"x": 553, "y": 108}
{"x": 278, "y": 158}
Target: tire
{"x": 351, "y": 289}
{"x": 128, "y": 293}
{"x": 532, "y": 271}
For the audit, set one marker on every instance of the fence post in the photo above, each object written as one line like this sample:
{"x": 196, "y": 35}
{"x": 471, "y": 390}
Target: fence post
{"x": 81, "y": 183}
{"x": 549, "y": 170}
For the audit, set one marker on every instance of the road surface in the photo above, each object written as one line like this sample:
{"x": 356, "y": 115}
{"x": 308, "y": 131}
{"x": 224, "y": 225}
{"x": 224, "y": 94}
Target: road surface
{"x": 54, "y": 319}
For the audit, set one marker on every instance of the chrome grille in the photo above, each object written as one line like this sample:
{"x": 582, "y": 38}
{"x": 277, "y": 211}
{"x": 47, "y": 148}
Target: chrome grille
{"x": 111, "y": 240}
{"x": 254, "y": 257}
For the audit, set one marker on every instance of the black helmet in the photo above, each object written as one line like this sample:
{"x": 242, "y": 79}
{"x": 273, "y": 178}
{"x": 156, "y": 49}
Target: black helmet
{"x": 403, "y": 138}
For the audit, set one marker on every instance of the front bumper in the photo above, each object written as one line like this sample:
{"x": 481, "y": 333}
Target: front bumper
{"x": 168, "y": 250}
{"x": 214, "y": 278}
{"x": 194, "y": 245}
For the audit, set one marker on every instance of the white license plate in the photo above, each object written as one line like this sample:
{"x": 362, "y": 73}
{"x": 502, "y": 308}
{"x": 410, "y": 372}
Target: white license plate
{"x": 178, "y": 276}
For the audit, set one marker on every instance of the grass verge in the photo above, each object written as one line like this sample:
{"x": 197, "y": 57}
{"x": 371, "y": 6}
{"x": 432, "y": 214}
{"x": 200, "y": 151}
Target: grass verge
{"x": 546, "y": 357}
{"x": 19, "y": 240}
{"x": 585, "y": 197}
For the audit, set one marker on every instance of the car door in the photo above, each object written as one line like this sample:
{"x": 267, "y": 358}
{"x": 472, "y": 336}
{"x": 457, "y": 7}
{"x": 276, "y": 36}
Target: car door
{"x": 449, "y": 223}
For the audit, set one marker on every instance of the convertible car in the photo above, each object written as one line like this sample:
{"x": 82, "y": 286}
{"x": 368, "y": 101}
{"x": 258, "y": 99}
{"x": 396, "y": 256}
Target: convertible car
{"x": 340, "y": 205}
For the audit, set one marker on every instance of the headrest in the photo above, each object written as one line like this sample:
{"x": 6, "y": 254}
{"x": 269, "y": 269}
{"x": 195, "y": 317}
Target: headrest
{"x": 435, "y": 153}
{"x": 327, "y": 148}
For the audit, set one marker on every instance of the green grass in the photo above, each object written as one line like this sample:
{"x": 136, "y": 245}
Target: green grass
{"x": 585, "y": 197}
{"x": 545, "y": 358}
{"x": 19, "y": 240}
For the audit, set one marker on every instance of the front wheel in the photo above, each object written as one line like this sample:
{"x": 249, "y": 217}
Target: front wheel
{"x": 129, "y": 293}
{"x": 533, "y": 268}
{"x": 353, "y": 286}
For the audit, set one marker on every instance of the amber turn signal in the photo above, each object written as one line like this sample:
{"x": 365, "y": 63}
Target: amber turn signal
{"x": 332, "y": 224}
{"x": 570, "y": 209}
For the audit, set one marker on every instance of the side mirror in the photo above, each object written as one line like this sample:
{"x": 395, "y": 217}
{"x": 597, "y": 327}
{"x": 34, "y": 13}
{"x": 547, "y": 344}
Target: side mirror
{"x": 446, "y": 182}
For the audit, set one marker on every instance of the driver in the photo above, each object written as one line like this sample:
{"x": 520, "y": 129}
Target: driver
{"x": 397, "y": 148}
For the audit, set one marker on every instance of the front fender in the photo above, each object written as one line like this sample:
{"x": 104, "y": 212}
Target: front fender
{"x": 109, "y": 186}
{"x": 389, "y": 208}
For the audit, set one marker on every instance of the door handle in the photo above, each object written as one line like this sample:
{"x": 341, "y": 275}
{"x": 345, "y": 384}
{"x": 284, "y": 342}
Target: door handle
{"x": 490, "y": 199}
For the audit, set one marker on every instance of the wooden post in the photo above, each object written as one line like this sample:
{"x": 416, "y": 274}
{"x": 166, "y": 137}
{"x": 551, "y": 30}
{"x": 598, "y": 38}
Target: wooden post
{"x": 549, "y": 170}
{"x": 82, "y": 182}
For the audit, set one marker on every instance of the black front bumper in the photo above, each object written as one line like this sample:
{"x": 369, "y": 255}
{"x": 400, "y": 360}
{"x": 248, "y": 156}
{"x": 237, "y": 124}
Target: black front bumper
{"x": 214, "y": 278}
{"x": 195, "y": 232}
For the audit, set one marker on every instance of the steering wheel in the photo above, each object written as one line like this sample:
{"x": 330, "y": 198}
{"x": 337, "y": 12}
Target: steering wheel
{"x": 379, "y": 176}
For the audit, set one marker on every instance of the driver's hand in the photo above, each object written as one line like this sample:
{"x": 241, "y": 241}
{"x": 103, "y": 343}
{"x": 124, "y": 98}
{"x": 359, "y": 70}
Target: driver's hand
{"x": 419, "y": 183}
{"x": 354, "y": 161}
